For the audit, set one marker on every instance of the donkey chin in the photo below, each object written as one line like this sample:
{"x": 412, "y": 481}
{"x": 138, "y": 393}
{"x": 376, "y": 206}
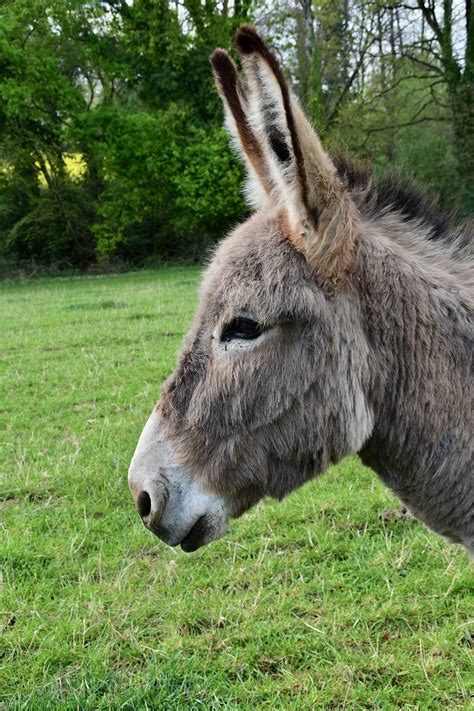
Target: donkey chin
{"x": 169, "y": 501}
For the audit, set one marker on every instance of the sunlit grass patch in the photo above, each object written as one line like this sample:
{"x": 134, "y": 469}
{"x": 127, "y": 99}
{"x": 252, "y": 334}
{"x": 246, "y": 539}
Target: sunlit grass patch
{"x": 331, "y": 599}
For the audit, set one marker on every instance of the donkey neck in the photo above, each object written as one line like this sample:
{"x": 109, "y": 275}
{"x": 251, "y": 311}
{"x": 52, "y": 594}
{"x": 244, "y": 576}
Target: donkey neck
{"x": 418, "y": 325}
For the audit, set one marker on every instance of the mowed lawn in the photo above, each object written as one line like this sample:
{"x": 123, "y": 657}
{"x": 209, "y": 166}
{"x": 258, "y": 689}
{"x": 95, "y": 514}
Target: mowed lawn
{"x": 331, "y": 599}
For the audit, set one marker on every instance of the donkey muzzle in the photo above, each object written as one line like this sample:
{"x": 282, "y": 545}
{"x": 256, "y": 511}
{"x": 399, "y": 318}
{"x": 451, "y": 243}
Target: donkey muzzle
{"x": 170, "y": 503}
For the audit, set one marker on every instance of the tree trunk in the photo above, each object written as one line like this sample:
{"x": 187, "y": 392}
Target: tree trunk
{"x": 460, "y": 84}
{"x": 462, "y": 99}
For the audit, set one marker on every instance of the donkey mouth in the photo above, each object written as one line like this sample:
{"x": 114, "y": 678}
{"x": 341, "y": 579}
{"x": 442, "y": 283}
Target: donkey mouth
{"x": 197, "y": 536}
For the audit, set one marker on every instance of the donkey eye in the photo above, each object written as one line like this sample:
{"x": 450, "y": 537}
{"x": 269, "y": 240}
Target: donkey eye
{"x": 241, "y": 327}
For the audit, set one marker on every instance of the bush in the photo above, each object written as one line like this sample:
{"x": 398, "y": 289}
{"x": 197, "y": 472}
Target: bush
{"x": 171, "y": 188}
{"x": 207, "y": 191}
{"x": 47, "y": 224}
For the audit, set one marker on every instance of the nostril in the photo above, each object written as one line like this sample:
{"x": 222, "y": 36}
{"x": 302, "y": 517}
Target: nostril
{"x": 143, "y": 504}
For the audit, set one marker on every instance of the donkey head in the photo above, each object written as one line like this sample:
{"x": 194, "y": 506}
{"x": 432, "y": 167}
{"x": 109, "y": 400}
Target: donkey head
{"x": 272, "y": 378}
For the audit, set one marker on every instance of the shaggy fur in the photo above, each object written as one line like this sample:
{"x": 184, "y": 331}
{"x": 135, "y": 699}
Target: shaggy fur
{"x": 364, "y": 296}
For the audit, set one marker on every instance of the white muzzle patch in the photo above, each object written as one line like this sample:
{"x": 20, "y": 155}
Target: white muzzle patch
{"x": 169, "y": 501}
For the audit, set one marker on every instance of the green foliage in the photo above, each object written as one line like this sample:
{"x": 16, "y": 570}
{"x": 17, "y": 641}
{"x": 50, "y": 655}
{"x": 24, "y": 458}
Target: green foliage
{"x": 56, "y": 226}
{"x": 131, "y": 92}
{"x": 381, "y": 132}
{"x": 127, "y": 89}
{"x": 171, "y": 187}
{"x": 45, "y": 215}
{"x": 330, "y": 599}
{"x": 138, "y": 154}
{"x": 208, "y": 190}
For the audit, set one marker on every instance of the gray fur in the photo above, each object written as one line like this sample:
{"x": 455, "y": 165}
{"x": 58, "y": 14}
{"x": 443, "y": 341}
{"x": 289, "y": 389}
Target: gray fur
{"x": 378, "y": 362}
{"x": 383, "y": 367}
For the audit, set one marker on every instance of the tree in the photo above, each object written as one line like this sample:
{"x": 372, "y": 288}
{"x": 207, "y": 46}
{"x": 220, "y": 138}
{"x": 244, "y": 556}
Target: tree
{"x": 373, "y": 72}
{"x": 125, "y": 90}
{"x": 39, "y": 95}
{"x": 458, "y": 74}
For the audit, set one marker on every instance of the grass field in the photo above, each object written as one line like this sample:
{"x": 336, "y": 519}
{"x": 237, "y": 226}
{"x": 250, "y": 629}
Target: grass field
{"x": 328, "y": 600}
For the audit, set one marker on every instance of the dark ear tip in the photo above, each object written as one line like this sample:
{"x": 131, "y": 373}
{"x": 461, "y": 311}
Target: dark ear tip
{"x": 217, "y": 55}
{"x": 219, "y": 59}
{"x": 248, "y": 41}
{"x": 223, "y": 66}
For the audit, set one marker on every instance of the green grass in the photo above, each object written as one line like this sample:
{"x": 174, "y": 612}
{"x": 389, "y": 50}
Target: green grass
{"x": 328, "y": 600}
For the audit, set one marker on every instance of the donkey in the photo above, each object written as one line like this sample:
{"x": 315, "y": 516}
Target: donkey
{"x": 336, "y": 320}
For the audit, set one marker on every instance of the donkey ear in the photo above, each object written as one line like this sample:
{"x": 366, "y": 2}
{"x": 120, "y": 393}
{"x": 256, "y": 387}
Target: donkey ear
{"x": 259, "y": 185}
{"x": 323, "y": 216}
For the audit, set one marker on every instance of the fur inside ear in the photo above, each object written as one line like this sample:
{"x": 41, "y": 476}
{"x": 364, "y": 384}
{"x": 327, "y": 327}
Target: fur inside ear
{"x": 286, "y": 163}
{"x": 248, "y": 146}
{"x": 271, "y": 116}
{"x": 324, "y": 219}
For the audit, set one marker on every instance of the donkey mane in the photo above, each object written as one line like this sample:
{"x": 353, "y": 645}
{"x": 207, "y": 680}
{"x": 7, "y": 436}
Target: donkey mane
{"x": 392, "y": 192}
{"x": 395, "y": 194}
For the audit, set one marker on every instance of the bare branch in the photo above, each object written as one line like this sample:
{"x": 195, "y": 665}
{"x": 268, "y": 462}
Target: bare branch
{"x": 423, "y": 63}
{"x": 348, "y": 84}
{"x": 404, "y": 78}
{"x": 428, "y": 11}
